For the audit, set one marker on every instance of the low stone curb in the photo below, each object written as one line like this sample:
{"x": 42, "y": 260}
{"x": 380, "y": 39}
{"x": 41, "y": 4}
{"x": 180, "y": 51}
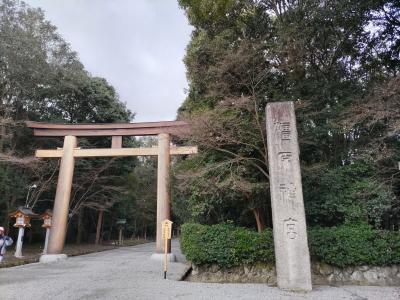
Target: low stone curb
{"x": 186, "y": 273}
{"x": 359, "y": 275}
{"x": 322, "y": 274}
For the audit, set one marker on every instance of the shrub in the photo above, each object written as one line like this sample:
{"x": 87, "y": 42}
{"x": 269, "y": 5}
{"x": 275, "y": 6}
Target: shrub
{"x": 354, "y": 245}
{"x": 347, "y": 245}
{"x": 226, "y": 245}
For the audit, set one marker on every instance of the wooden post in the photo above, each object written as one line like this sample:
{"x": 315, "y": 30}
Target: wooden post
{"x": 63, "y": 193}
{"x": 166, "y": 227}
{"x": 165, "y": 257}
{"x": 80, "y": 225}
{"x": 98, "y": 229}
{"x": 116, "y": 141}
{"x": 163, "y": 193}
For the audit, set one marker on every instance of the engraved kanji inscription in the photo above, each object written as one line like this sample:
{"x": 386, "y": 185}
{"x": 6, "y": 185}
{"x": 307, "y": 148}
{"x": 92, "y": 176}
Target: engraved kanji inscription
{"x": 290, "y": 228}
{"x": 287, "y": 192}
{"x": 285, "y": 156}
{"x": 283, "y": 130}
{"x": 285, "y": 160}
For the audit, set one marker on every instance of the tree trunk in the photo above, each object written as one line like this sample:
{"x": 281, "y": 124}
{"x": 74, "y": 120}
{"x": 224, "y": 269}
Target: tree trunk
{"x": 2, "y": 136}
{"x": 9, "y": 204}
{"x": 260, "y": 219}
{"x": 80, "y": 226}
{"x": 99, "y": 221}
{"x": 111, "y": 228}
{"x": 29, "y": 235}
{"x": 135, "y": 228}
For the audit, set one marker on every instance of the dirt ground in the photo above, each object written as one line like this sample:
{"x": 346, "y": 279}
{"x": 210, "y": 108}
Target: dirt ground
{"x": 31, "y": 253}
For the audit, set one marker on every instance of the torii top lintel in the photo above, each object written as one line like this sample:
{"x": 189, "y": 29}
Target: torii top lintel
{"x": 109, "y": 129}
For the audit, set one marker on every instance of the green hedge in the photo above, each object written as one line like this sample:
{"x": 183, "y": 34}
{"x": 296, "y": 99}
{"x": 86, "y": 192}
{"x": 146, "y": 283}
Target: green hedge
{"x": 348, "y": 245}
{"x": 355, "y": 245}
{"x": 225, "y": 245}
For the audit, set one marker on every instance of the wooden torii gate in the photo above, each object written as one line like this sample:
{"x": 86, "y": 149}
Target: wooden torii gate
{"x": 70, "y": 151}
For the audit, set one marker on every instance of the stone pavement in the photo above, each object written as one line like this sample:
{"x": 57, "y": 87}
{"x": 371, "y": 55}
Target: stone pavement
{"x": 128, "y": 273}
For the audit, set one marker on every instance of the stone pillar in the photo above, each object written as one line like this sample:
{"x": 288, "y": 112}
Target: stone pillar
{"x": 289, "y": 223}
{"x": 163, "y": 189}
{"x": 46, "y": 241}
{"x": 61, "y": 202}
{"x": 18, "y": 248}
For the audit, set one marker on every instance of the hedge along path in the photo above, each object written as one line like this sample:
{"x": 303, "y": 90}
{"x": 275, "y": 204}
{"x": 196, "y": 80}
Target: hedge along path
{"x": 348, "y": 245}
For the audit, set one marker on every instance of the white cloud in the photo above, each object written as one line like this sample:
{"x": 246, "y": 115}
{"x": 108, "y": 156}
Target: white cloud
{"x": 138, "y": 46}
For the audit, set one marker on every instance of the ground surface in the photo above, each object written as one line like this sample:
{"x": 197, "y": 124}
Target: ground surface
{"x": 33, "y": 252}
{"x": 128, "y": 273}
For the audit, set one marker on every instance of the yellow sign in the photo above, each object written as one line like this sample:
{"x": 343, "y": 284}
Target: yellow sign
{"x": 166, "y": 229}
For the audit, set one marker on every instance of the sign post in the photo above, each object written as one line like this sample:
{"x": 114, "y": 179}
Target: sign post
{"x": 121, "y": 223}
{"x": 166, "y": 226}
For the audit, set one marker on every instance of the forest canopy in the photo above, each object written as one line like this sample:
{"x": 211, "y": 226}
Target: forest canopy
{"x": 42, "y": 79}
{"x": 339, "y": 61}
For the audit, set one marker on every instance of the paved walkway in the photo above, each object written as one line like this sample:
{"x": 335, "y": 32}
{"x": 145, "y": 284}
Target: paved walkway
{"x": 128, "y": 273}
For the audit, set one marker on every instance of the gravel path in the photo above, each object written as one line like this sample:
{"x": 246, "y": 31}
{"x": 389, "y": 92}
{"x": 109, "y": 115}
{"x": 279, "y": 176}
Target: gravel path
{"x": 128, "y": 273}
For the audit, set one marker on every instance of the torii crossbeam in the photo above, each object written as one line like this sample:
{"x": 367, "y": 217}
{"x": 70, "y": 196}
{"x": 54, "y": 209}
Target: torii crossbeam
{"x": 70, "y": 151}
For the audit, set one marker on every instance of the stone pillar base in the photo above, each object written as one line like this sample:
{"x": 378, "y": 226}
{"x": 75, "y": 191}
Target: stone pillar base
{"x": 160, "y": 257}
{"x": 49, "y": 258}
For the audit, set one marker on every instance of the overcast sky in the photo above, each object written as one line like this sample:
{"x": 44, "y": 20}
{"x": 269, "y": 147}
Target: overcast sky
{"x": 138, "y": 46}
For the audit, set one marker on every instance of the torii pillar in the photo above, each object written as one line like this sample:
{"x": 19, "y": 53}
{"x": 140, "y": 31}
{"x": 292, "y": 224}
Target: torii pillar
{"x": 163, "y": 195}
{"x": 163, "y": 188}
{"x": 61, "y": 203}
{"x": 69, "y": 152}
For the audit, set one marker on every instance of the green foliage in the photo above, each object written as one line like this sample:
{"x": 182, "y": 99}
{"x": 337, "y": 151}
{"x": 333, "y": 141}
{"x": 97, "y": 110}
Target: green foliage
{"x": 12, "y": 183}
{"x": 355, "y": 245}
{"x": 81, "y": 98}
{"x": 347, "y": 245}
{"x": 343, "y": 78}
{"x": 214, "y": 15}
{"x": 225, "y": 245}
{"x": 42, "y": 79}
{"x": 138, "y": 205}
{"x": 346, "y": 194}
{"x": 217, "y": 195}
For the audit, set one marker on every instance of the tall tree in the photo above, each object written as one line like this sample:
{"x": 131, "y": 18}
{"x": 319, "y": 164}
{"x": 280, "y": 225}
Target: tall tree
{"x": 327, "y": 56}
{"x": 42, "y": 79}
